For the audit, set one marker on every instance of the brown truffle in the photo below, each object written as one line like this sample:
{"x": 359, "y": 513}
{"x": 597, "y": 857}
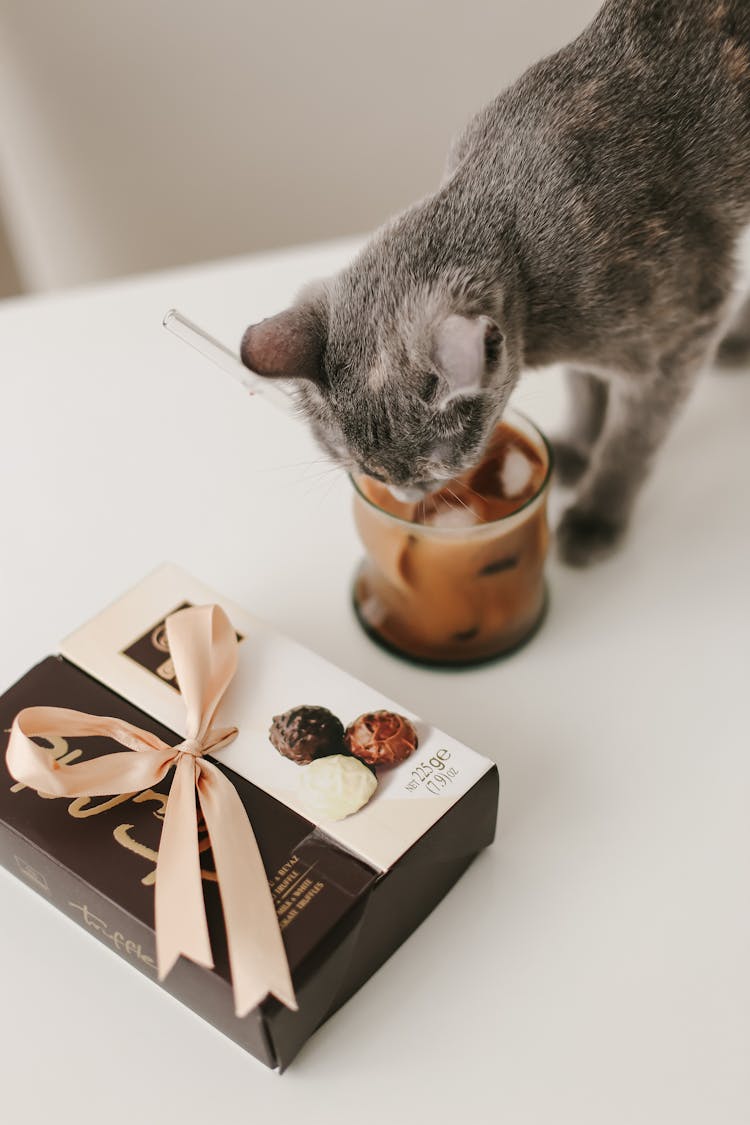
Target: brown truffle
{"x": 306, "y": 733}
{"x": 381, "y": 738}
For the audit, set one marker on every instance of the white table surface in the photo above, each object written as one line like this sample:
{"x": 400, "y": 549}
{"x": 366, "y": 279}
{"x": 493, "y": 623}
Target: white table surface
{"x": 594, "y": 965}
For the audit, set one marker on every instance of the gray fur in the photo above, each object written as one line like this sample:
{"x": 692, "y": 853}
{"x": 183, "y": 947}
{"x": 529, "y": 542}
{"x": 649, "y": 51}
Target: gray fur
{"x": 591, "y": 213}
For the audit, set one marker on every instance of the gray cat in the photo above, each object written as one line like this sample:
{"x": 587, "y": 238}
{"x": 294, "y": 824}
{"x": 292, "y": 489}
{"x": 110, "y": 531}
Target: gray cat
{"x": 590, "y": 215}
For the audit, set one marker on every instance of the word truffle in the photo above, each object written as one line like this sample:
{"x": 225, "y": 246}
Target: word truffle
{"x": 306, "y": 733}
{"x": 381, "y": 738}
{"x": 337, "y": 786}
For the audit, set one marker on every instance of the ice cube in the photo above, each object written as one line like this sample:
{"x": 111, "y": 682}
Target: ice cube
{"x": 373, "y": 611}
{"x": 515, "y": 473}
{"x": 452, "y": 518}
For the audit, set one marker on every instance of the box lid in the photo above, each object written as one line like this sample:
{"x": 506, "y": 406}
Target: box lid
{"x": 124, "y": 647}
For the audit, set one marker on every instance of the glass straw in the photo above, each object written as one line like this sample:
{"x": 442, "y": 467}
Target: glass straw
{"x": 227, "y": 360}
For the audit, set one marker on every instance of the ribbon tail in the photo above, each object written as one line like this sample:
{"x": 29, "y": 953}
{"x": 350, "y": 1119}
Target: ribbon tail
{"x": 181, "y": 926}
{"x": 256, "y": 951}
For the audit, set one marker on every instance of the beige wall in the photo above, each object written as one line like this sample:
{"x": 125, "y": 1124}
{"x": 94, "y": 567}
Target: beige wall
{"x": 10, "y": 282}
{"x": 149, "y": 133}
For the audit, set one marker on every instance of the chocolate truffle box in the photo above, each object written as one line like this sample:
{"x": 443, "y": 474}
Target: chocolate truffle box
{"x": 363, "y": 815}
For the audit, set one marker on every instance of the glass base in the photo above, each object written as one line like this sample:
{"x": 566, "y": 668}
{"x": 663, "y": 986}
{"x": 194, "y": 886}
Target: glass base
{"x": 448, "y": 664}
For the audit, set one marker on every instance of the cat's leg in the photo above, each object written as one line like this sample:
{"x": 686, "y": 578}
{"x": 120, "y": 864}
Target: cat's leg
{"x": 587, "y": 396}
{"x": 636, "y": 422}
{"x": 734, "y": 349}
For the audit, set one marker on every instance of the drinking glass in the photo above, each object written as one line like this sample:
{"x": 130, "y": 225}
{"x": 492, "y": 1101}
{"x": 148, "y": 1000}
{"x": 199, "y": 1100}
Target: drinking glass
{"x": 454, "y": 595}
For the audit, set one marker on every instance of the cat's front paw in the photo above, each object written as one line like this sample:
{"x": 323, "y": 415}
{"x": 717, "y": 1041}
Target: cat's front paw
{"x": 584, "y": 538}
{"x": 570, "y": 462}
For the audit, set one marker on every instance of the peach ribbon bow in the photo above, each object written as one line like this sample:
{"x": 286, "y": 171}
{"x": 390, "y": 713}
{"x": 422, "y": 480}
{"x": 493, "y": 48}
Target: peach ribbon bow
{"x": 203, "y": 647}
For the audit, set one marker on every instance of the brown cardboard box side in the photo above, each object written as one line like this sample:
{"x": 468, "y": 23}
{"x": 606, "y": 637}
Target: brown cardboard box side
{"x": 344, "y": 935}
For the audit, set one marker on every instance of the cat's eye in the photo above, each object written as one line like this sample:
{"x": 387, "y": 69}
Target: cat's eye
{"x": 430, "y": 384}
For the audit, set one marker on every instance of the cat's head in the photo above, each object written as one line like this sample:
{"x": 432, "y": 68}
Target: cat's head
{"x": 404, "y": 389}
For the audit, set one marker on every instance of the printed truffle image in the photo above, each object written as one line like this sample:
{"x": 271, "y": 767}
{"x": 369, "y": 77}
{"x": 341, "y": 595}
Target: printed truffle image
{"x": 336, "y": 787}
{"x": 381, "y": 738}
{"x": 306, "y": 733}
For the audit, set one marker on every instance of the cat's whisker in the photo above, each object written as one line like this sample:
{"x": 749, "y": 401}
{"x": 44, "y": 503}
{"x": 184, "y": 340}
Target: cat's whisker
{"x": 318, "y": 490}
{"x": 314, "y": 479}
{"x": 458, "y": 499}
{"x": 300, "y": 465}
{"x": 421, "y": 511}
{"x": 459, "y": 503}
{"x": 473, "y": 491}
{"x": 331, "y": 482}
{"x": 323, "y": 474}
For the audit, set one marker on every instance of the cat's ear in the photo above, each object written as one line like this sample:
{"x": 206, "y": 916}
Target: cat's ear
{"x": 467, "y": 351}
{"x": 288, "y": 345}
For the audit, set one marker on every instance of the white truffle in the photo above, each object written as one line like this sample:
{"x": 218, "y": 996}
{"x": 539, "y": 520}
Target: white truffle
{"x": 337, "y": 786}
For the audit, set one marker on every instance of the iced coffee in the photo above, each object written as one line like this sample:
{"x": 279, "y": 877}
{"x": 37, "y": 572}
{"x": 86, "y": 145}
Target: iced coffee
{"x": 459, "y": 576}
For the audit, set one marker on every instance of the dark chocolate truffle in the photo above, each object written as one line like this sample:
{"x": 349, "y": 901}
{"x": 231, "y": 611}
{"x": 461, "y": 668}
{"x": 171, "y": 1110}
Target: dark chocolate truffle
{"x": 306, "y": 733}
{"x": 381, "y": 738}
